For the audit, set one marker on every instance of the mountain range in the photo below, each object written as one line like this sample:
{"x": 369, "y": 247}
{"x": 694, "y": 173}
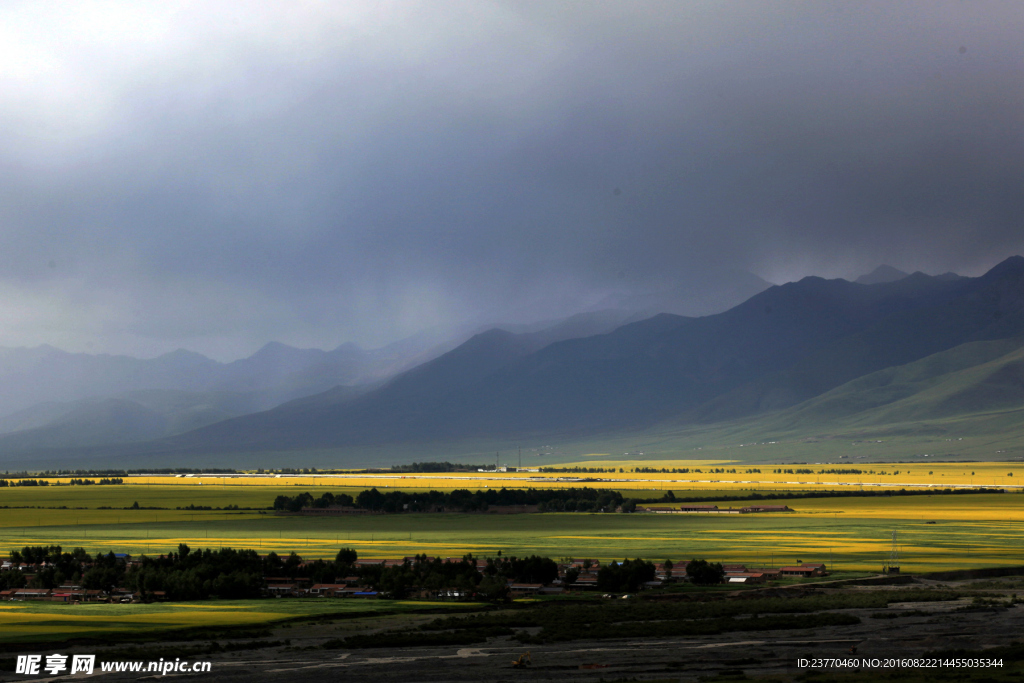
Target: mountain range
{"x": 783, "y": 346}
{"x": 53, "y": 399}
{"x": 794, "y": 358}
{"x": 118, "y": 399}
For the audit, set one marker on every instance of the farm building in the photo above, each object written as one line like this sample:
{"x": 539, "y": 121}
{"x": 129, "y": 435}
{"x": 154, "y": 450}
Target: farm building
{"x": 682, "y": 509}
{"x": 805, "y": 570}
{"x": 769, "y": 574}
{"x": 714, "y": 509}
{"x": 745, "y": 577}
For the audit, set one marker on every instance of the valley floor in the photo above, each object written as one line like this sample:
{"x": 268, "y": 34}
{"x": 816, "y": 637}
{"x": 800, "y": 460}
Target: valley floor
{"x": 935, "y": 532}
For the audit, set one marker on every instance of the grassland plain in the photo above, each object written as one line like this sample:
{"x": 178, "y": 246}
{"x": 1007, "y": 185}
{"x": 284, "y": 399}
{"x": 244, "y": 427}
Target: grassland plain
{"x": 42, "y": 621}
{"x": 936, "y": 532}
{"x": 995, "y": 435}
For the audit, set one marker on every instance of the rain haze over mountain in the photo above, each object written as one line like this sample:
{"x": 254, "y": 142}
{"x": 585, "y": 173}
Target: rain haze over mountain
{"x": 215, "y": 177}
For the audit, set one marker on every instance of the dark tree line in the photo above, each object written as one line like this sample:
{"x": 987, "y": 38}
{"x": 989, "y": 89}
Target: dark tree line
{"x": 435, "y": 467}
{"x": 188, "y": 575}
{"x": 460, "y": 500}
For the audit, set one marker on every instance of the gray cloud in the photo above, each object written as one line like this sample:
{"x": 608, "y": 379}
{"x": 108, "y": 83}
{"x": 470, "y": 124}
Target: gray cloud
{"x": 216, "y": 176}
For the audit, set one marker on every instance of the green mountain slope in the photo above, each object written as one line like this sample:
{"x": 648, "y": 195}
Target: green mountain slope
{"x": 970, "y": 378}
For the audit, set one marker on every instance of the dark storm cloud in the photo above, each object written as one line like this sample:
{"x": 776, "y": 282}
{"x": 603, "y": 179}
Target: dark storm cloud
{"x": 220, "y": 177}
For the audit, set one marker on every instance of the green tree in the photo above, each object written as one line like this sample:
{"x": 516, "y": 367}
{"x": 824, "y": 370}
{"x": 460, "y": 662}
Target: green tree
{"x": 493, "y": 589}
{"x": 346, "y": 556}
{"x": 704, "y": 573}
{"x": 12, "y": 579}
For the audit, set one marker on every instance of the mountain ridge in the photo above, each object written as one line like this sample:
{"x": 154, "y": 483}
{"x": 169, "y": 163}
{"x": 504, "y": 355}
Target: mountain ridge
{"x": 650, "y": 370}
{"x": 776, "y": 352}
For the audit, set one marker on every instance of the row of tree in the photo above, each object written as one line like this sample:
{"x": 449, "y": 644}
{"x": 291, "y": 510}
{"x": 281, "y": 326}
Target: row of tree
{"x": 73, "y": 482}
{"x": 460, "y": 500}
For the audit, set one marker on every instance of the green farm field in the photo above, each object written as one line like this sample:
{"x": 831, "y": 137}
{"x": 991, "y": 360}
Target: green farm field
{"x": 48, "y": 621}
{"x": 936, "y": 532}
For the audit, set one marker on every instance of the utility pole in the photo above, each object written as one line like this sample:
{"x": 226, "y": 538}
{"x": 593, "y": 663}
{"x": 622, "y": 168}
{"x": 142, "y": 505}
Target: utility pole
{"x": 893, "y": 567}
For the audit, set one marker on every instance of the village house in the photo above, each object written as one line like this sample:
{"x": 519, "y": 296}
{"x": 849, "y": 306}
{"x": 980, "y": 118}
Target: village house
{"x": 522, "y": 590}
{"x": 585, "y": 581}
{"x": 32, "y": 594}
{"x": 769, "y": 574}
{"x": 369, "y": 562}
{"x": 582, "y": 564}
{"x": 682, "y": 509}
{"x": 804, "y": 570}
{"x": 745, "y": 577}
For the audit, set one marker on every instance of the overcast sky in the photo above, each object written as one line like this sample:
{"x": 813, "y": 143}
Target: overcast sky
{"x": 218, "y": 175}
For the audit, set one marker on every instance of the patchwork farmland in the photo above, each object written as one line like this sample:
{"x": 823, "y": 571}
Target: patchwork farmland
{"x": 936, "y": 531}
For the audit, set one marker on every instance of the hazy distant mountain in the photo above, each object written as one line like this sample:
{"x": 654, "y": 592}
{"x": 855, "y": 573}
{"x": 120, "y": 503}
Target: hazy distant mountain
{"x": 135, "y": 416}
{"x": 717, "y": 292}
{"x": 213, "y": 392}
{"x": 274, "y": 374}
{"x": 881, "y": 274}
{"x": 179, "y": 411}
{"x": 57, "y": 399}
{"x": 90, "y": 423}
{"x": 784, "y": 346}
